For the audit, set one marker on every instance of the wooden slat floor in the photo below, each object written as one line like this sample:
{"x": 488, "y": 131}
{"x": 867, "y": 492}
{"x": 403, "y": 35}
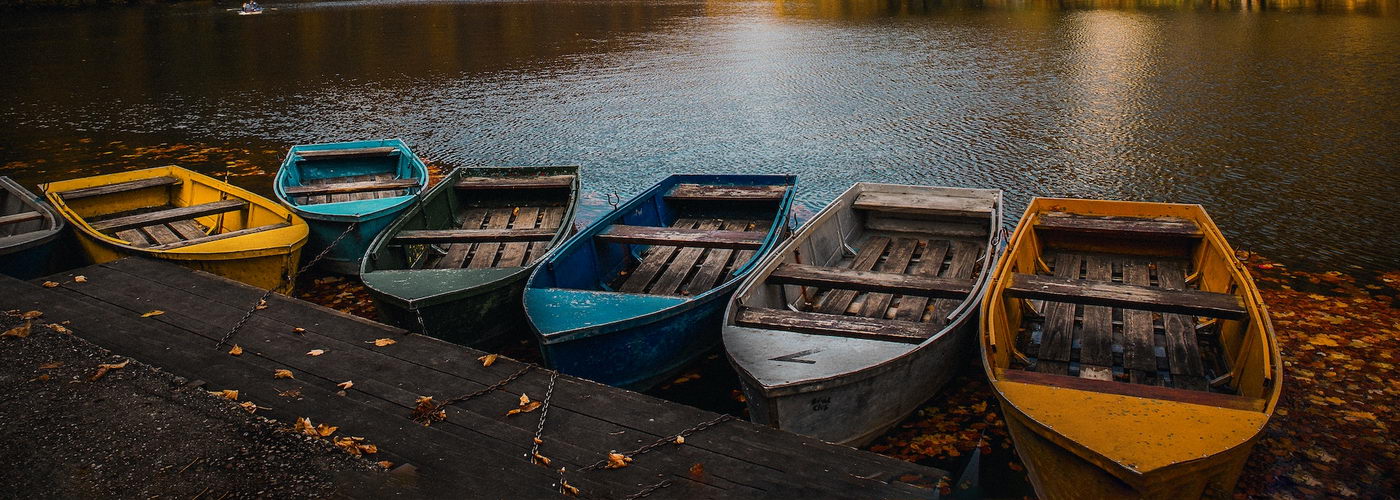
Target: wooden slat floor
{"x": 339, "y": 197}
{"x": 685, "y": 271}
{"x": 924, "y": 257}
{"x": 164, "y": 233}
{"x": 477, "y": 450}
{"x": 487, "y": 255}
{"x": 1110, "y": 343}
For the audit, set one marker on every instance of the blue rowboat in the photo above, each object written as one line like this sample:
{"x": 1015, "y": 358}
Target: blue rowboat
{"x": 29, "y": 230}
{"x": 366, "y": 183}
{"x": 638, "y": 294}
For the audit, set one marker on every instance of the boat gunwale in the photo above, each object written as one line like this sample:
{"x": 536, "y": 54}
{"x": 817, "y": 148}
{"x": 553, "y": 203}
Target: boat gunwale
{"x": 16, "y": 243}
{"x": 279, "y": 184}
{"x": 765, "y": 268}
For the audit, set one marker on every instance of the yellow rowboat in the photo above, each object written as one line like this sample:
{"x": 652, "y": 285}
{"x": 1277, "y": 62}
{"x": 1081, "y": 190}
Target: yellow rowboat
{"x": 174, "y": 214}
{"x": 1131, "y": 352}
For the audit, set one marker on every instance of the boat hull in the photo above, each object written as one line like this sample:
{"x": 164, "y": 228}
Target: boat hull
{"x": 345, "y": 257}
{"x": 31, "y": 254}
{"x": 266, "y": 269}
{"x": 481, "y": 318}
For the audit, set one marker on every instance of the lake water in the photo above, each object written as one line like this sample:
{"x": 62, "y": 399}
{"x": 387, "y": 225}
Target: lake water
{"x": 1283, "y": 120}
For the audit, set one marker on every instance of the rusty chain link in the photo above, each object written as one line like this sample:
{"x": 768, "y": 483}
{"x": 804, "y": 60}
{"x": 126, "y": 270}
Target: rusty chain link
{"x": 670, "y": 439}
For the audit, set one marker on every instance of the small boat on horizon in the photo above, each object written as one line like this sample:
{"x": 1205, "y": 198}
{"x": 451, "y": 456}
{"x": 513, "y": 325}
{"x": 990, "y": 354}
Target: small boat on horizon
{"x": 1130, "y": 351}
{"x": 29, "y": 232}
{"x": 636, "y": 295}
{"x": 178, "y": 215}
{"x": 455, "y": 265}
{"x": 334, "y": 185}
{"x": 845, "y": 329}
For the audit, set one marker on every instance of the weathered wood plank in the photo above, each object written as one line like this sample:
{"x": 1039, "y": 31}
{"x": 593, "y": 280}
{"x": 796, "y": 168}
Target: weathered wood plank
{"x": 134, "y": 237}
{"x": 472, "y": 219}
{"x": 837, "y": 301}
{"x": 188, "y": 229}
{"x": 835, "y": 325}
{"x": 168, "y": 215}
{"x": 705, "y": 192}
{"x": 160, "y": 234}
{"x": 1183, "y": 353}
{"x": 513, "y": 254}
{"x": 1057, "y": 335}
{"x": 1136, "y": 390}
{"x": 20, "y": 217}
{"x": 485, "y": 256}
{"x": 340, "y": 154}
{"x": 1123, "y": 227}
{"x": 471, "y": 235}
{"x": 1096, "y": 343}
{"x": 222, "y": 236}
{"x": 913, "y": 306}
{"x": 536, "y": 182}
{"x": 1139, "y": 353}
{"x": 742, "y": 257}
{"x": 870, "y": 281}
{"x": 120, "y": 187}
{"x": 1166, "y": 300}
{"x": 876, "y": 304}
{"x": 671, "y": 236}
{"x": 682, "y": 264}
{"x": 550, "y": 220}
{"x": 653, "y": 262}
{"x": 714, "y": 262}
{"x": 927, "y": 227}
{"x": 924, "y": 205}
{"x": 351, "y": 187}
{"x": 961, "y": 266}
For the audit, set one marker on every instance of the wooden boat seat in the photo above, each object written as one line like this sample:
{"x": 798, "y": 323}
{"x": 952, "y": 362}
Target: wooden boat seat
{"x": 20, "y": 217}
{"x": 671, "y": 236}
{"x": 1133, "y": 227}
{"x": 667, "y": 269}
{"x": 438, "y": 236}
{"x": 341, "y": 154}
{"x": 1136, "y": 390}
{"x": 351, "y": 187}
{"x": 493, "y": 183}
{"x": 706, "y": 192}
{"x": 220, "y": 236}
{"x": 1107, "y": 293}
{"x": 168, "y": 215}
{"x": 925, "y": 206}
{"x": 120, "y": 187}
{"x": 870, "y": 281}
{"x": 892, "y": 330}
{"x": 920, "y": 272}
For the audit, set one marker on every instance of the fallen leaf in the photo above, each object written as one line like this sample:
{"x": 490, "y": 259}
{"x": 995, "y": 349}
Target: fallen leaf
{"x": 355, "y": 445}
{"x": 20, "y": 331}
{"x": 31, "y": 315}
{"x": 282, "y": 373}
{"x": 50, "y": 284}
{"x": 428, "y": 412}
{"x": 58, "y": 328}
{"x": 262, "y": 304}
{"x": 384, "y": 342}
{"x": 537, "y": 440}
{"x": 291, "y": 393}
{"x": 567, "y": 489}
{"x": 103, "y": 368}
{"x": 236, "y": 350}
{"x": 298, "y": 329}
{"x": 51, "y": 365}
{"x": 525, "y": 408}
{"x": 680, "y": 440}
{"x": 488, "y": 359}
{"x": 252, "y": 408}
{"x": 346, "y": 385}
{"x": 617, "y": 460}
{"x": 156, "y": 312}
{"x": 539, "y": 459}
{"x": 80, "y": 279}
{"x": 325, "y": 430}
{"x": 315, "y": 352}
{"x": 385, "y": 464}
{"x": 697, "y": 471}
{"x": 40, "y": 378}
{"x": 228, "y": 394}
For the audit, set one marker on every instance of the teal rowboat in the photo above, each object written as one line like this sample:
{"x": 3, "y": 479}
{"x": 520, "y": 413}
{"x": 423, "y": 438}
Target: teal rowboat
{"x": 638, "y": 294}
{"x": 454, "y": 266}
{"x": 365, "y": 183}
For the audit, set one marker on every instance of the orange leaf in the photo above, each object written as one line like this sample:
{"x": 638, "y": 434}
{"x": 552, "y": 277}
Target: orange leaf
{"x": 58, "y": 328}
{"x": 385, "y": 464}
{"x": 384, "y": 342}
{"x": 80, "y": 279}
{"x": 229, "y": 394}
{"x": 281, "y": 373}
{"x": 20, "y": 331}
{"x": 346, "y": 385}
{"x": 31, "y": 315}
{"x": 617, "y": 460}
{"x": 315, "y": 352}
{"x": 236, "y": 350}
{"x": 50, "y": 284}
{"x": 48, "y": 366}
{"x": 298, "y": 330}
{"x": 156, "y": 312}
{"x": 487, "y": 359}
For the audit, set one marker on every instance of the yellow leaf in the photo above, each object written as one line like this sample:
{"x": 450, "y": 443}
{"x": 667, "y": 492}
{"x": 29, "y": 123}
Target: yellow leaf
{"x": 58, "y": 328}
{"x": 315, "y": 352}
{"x": 1334, "y": 400}
{"x": 385, "y": 464}
{"x": 383, "y": 342}
{"x": 525, "y": 408}
{"x": 1322, "y": 340}
{"x": 487, "y": 359}
{"x": 262, "y": 304}
{"x": 31, "y": 315}
{"x": 229, "y": 394}
{"x": 248, "y": 405}
{"x": 20, "y": 331}
{"x": 80, "y": 279}
{"x": 298, "y": 330}
{"x": 50, "y": 284}
{"x": 540, "y": 459}
{"x": 281, "y": 373}
{"x": 236, "y": 350}
{"x": 524, "y": 399}
{"x": 346, "y": 385}
{"x": 568, "y": 489}
{"x": 325, "y": 430}
{"x": 156, "y": 312}
{"x": 680, "y": 440}
{"x": 617, "y": 460}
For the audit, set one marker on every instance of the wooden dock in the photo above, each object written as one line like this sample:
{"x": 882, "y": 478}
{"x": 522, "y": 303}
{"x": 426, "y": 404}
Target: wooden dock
{"x": 478, "y": 450}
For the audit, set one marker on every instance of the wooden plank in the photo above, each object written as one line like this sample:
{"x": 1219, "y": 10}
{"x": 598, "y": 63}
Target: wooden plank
{"x": 671, "y": 236}
{"x": 1166, "y": 300}
{"x": 835, "y": 325}
{"x": 535, "y": 182}
{"x": 351, "y": 187}
{"x": 134, "y": 237}
{"x": 456, "y": 256}
{"x": 120, "y": 187}
{"x": 900, "y": 253}
{"x": 1139, "y": 353}
{"x": 714, "y": 262}
{"x": 550, "y": 220}
{"x": 1057, "y": 333}
{"x": 961, "y": 266}
{"x": 221, "y": 236}
{"x": 870, "y": 281}
{"x": 1123, "y": 227}
{"x": 707, "y": 192}
{"x": 1183, "y": 353}
{"x": 513, "y": 254}
{"x": 837, "y": 301}
{"x": 943, "y": 229}
{"x": 682, "y": 264}
{"x": 653, "y": 262}
{"x": 924, "y": 205}
{"x": 160, "y": 234}
{"x": 188, "y": 229}
{"x": 438, "y": 236}
{"x": 485, "y": 256}
{"x": 340, "y": 154}
{"x": 742, "y": 257}
{"x": 1096, "y": 341}
{"x": 168, "y": 215}
{"x": 20, "y": 217}
{"x": 913, "y": 306}
{"x": 1135, "y": 390}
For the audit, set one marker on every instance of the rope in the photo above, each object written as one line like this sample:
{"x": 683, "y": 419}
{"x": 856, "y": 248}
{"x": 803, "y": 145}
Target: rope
{"x": 292, "y": 282}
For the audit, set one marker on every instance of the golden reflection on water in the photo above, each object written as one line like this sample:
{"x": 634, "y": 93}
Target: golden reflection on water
{"x": 856, "y": 9}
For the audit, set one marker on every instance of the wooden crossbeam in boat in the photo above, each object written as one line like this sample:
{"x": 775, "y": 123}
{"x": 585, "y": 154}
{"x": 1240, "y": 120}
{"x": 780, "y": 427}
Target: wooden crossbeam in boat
{"x": 670, "y": 236}
{"x": 120, "y": 187}
{"x": 870, "y": 281}
{"x": 1136, "y": 390}
{"x": 707, "y": 192}
{"x": 1104, "y": 293}
{"x": 837, "y": 301}
{"x": 220, "y": 236}
{"x": 924, "y": 205}
{"x": 20, "y": 217}
{"x": 472, "y": 235}
{"x": 534, "y": 182}
{"x": 351, "y": 187}
{"x": 835, "y": 325}
{"x": 328, "y": 154}
{"x": 168, "y": 215}
{"x": 1131, "y": 227}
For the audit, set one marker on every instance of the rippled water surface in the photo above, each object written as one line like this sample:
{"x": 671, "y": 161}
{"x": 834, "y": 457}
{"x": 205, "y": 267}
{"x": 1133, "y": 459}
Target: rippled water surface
{"x": 1284, "y": 121}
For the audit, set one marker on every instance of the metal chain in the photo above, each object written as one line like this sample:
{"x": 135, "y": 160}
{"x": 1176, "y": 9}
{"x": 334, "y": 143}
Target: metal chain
{"x": 648, "y": 490}
{"x": 291, "y": 282}
{"x": 544, "y": 413}
{"x": 486, "y": 390}
{"x": 422, "y": 328}
{"x": 699, "y": 427}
